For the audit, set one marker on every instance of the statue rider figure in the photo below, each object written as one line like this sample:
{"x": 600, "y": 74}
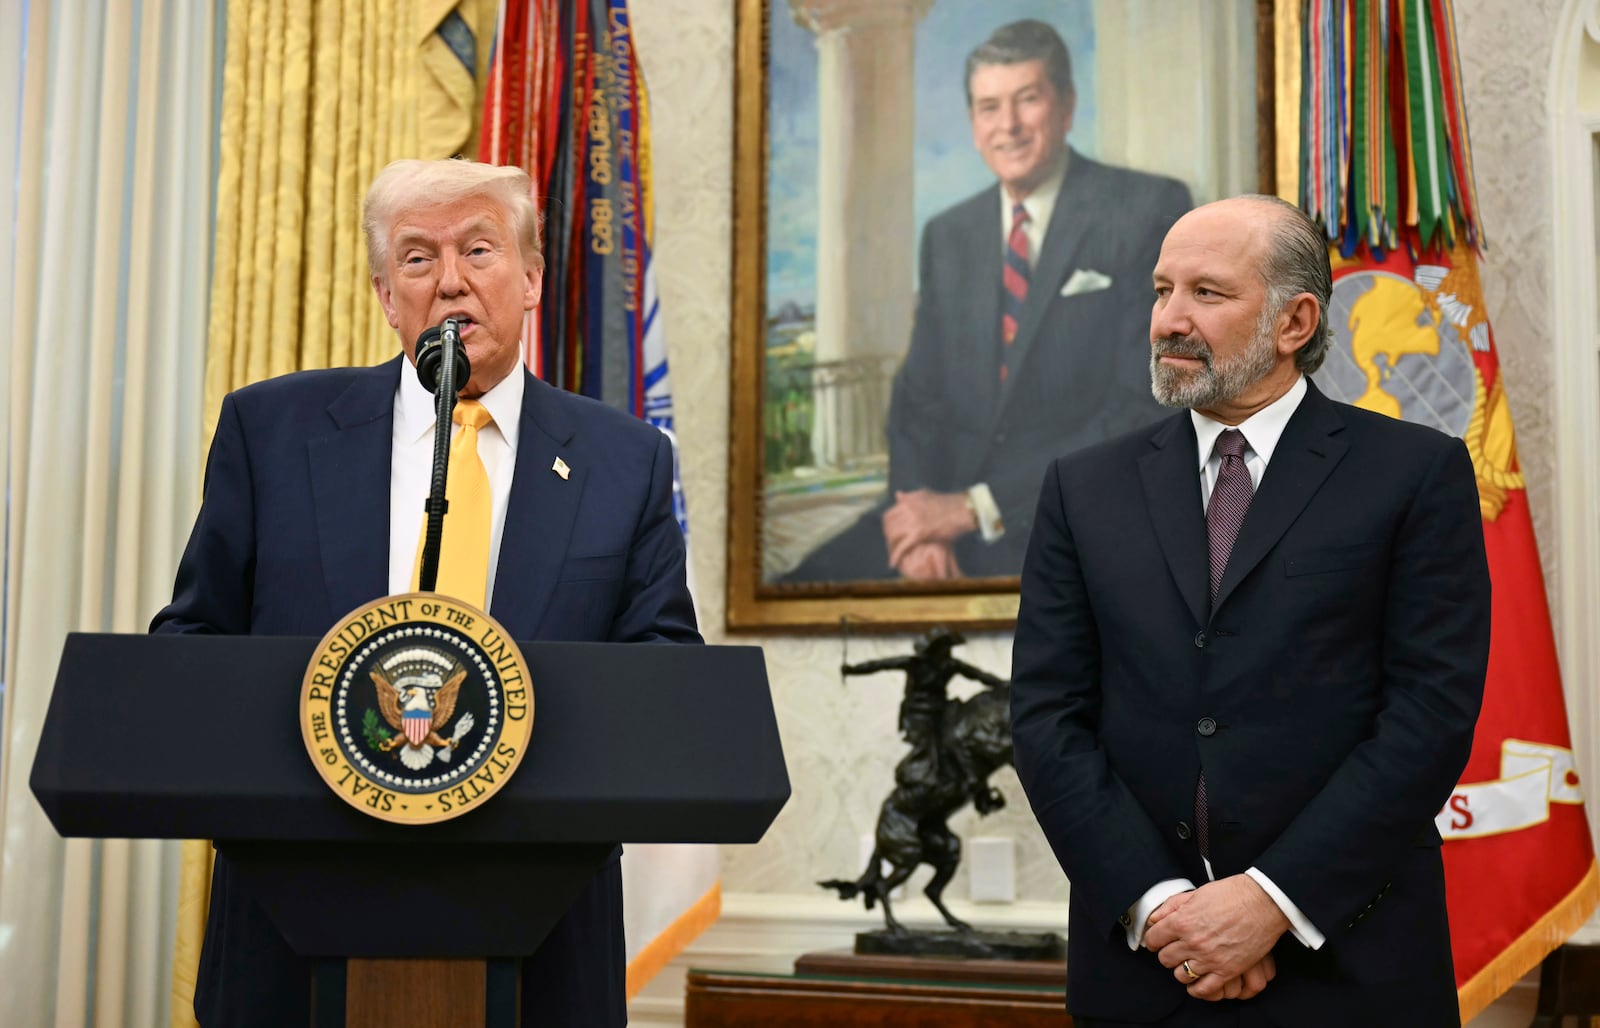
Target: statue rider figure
{"x": 933, "y": 762}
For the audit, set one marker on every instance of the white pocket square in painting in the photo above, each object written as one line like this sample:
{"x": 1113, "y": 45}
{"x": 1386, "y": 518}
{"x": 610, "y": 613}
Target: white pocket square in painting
{"x": 1085, "y": 280}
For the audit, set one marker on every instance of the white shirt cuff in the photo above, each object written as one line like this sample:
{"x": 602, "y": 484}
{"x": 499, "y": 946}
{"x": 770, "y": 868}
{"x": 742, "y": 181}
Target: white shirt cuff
{"x": 990, "y": 526}
{"x": 1133, "y": 921}
{"x": 1300, "y": 926}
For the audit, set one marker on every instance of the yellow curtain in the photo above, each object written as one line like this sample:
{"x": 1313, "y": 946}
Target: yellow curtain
{"x": 454, "y": 37}
{"x": 1286, "y": 96}
{"x": 318, "y": 95}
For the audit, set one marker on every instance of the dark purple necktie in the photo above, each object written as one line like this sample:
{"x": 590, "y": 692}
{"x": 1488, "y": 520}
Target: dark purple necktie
{"x": 1230, "y": 499}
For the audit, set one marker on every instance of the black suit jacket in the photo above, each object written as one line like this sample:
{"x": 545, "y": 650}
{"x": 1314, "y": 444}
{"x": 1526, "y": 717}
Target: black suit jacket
{"x": 1329, "y": 695}
{"x": 293, "y": 533}
{"x": 1081, "y": 363}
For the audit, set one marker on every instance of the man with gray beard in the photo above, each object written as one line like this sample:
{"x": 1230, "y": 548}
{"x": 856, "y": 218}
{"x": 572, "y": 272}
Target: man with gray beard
{"x": 1250, "y": 655}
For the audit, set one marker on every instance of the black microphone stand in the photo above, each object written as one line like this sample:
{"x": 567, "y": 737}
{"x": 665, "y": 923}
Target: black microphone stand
{"x": 444, "y": 410}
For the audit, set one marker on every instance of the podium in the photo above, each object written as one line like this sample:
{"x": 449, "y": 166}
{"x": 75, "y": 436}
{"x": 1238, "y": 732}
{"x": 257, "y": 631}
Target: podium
{"x": 197, "y": 737}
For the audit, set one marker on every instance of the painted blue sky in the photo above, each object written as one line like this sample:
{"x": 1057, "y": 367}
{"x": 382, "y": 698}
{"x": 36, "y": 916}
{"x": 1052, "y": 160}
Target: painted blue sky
{"x": 948, "y": 169}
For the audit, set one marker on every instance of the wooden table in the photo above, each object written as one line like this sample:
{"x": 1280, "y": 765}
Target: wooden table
{"x": 1569, "y": 986}
{"x": 839, "y": 988}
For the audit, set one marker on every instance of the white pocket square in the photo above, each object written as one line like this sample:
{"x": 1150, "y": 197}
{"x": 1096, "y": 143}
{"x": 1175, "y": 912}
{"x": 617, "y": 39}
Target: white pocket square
{"x": 1085, "y": 280}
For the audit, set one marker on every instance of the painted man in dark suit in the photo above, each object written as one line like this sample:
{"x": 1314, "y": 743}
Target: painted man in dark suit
{"x": 1027, "y": 340}
{"x": 1250, "y": 654}
{"x": 313, "y": 506}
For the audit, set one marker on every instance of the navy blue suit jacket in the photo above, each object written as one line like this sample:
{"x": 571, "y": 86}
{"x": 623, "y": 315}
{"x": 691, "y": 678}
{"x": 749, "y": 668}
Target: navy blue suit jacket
{"x": 293, "y": 533}
{"x": 1329, "y": 694}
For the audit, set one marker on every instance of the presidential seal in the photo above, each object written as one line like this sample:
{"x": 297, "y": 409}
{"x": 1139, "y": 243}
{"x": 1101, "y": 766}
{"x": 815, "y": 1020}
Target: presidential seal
{"x": 416, "y": 708}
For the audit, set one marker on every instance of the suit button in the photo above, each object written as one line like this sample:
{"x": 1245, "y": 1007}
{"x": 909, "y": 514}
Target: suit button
{"x": 1200, "y": 639}
{"x": 1183, "y": 830}
{"x": 1206, "y": 726}
{"x": 999, "y": 438}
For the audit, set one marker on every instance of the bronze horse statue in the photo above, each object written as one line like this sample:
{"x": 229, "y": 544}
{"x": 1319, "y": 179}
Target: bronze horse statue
{"x": 955, "y": 746}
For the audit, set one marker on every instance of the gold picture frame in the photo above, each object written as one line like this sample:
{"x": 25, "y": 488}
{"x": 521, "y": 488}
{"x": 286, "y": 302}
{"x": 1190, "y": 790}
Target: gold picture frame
{"x": 755, "y": 602}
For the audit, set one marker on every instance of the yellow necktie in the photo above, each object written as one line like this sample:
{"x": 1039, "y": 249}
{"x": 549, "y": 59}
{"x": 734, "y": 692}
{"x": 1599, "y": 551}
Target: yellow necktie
{"x": 464, "y": 548}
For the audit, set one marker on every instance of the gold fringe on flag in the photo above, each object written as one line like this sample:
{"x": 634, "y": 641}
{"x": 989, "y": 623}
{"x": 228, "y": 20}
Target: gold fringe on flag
{"x": 1523, "y": 955}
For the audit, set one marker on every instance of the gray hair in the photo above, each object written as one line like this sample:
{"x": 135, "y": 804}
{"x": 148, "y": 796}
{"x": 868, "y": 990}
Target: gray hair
{"x": 1297, "y": 262}
{"x": 1026, "y": 40}
{"x": 407, "y": 184}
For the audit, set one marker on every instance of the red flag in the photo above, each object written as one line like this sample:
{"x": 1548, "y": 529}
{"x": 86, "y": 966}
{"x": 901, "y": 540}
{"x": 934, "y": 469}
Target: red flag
{"x": 1412, "y": 340}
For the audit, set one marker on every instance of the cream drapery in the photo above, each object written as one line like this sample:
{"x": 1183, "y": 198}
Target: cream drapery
{"x": 111, "y": 241}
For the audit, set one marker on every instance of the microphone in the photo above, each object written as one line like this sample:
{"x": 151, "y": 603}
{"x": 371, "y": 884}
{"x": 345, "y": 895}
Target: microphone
{"x": 430, "y": 355}
{"x": 440, "y": 359}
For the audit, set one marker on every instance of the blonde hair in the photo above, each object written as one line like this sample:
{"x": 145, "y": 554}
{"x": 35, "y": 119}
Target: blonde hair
{"x": 408, "y": 184}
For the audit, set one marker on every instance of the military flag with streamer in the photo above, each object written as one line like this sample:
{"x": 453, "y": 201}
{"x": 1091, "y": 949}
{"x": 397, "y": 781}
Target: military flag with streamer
{"x": 566, "y": 102}
{"x": 1385, "y": 166}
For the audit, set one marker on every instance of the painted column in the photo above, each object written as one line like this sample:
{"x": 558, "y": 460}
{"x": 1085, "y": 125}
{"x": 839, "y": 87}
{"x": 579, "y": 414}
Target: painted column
{"x": 866, "y": 231}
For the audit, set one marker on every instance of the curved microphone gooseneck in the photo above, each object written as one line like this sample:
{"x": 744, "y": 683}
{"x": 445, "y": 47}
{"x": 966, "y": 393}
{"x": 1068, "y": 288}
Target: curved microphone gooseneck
{"x": 443, "y": 368}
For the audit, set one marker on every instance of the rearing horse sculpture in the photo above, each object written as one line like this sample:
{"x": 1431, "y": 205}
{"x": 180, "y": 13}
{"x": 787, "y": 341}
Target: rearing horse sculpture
{"x": 955, "y": 746}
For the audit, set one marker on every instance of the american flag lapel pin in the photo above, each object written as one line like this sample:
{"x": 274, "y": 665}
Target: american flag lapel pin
{"x": 560, "y": 468}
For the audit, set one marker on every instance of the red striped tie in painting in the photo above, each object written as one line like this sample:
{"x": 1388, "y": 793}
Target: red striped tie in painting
{"x": 1015, "y": 275}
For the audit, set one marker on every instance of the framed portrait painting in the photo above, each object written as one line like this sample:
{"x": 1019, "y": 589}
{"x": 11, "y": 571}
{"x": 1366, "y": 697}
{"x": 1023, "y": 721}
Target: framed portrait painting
{"x": 946, "y": 215}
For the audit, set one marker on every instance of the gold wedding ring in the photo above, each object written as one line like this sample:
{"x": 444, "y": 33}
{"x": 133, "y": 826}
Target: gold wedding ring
{"x": 1190, "y": 972}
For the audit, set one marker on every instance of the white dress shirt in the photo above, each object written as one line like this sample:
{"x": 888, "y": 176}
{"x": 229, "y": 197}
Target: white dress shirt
{"x": 1040, "y": 205}
{"x": 1261, "y": 432}
{"x": 411, "y": 468}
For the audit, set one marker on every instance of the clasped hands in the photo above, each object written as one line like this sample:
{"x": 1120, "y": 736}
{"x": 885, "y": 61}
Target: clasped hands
{"x": 919, "y": 531}
{"x": 1218, "y": 939}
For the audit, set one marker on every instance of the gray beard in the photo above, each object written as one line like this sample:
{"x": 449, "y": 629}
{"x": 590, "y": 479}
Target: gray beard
{"x": 1218, "y": 381}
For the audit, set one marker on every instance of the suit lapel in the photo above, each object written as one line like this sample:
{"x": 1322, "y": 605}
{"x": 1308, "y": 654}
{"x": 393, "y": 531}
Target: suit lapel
{"x": 1171, "y": 477}
{"x": 350, "y": 488}
{"x": 540, "y": 513}
{"x": 983, "y": 269}
{"x": 1069, "y": 224}
{"x": 1302, "y": 461}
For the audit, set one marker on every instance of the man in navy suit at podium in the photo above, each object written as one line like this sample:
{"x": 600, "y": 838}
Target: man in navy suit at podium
{"x": 313, "y": 505}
